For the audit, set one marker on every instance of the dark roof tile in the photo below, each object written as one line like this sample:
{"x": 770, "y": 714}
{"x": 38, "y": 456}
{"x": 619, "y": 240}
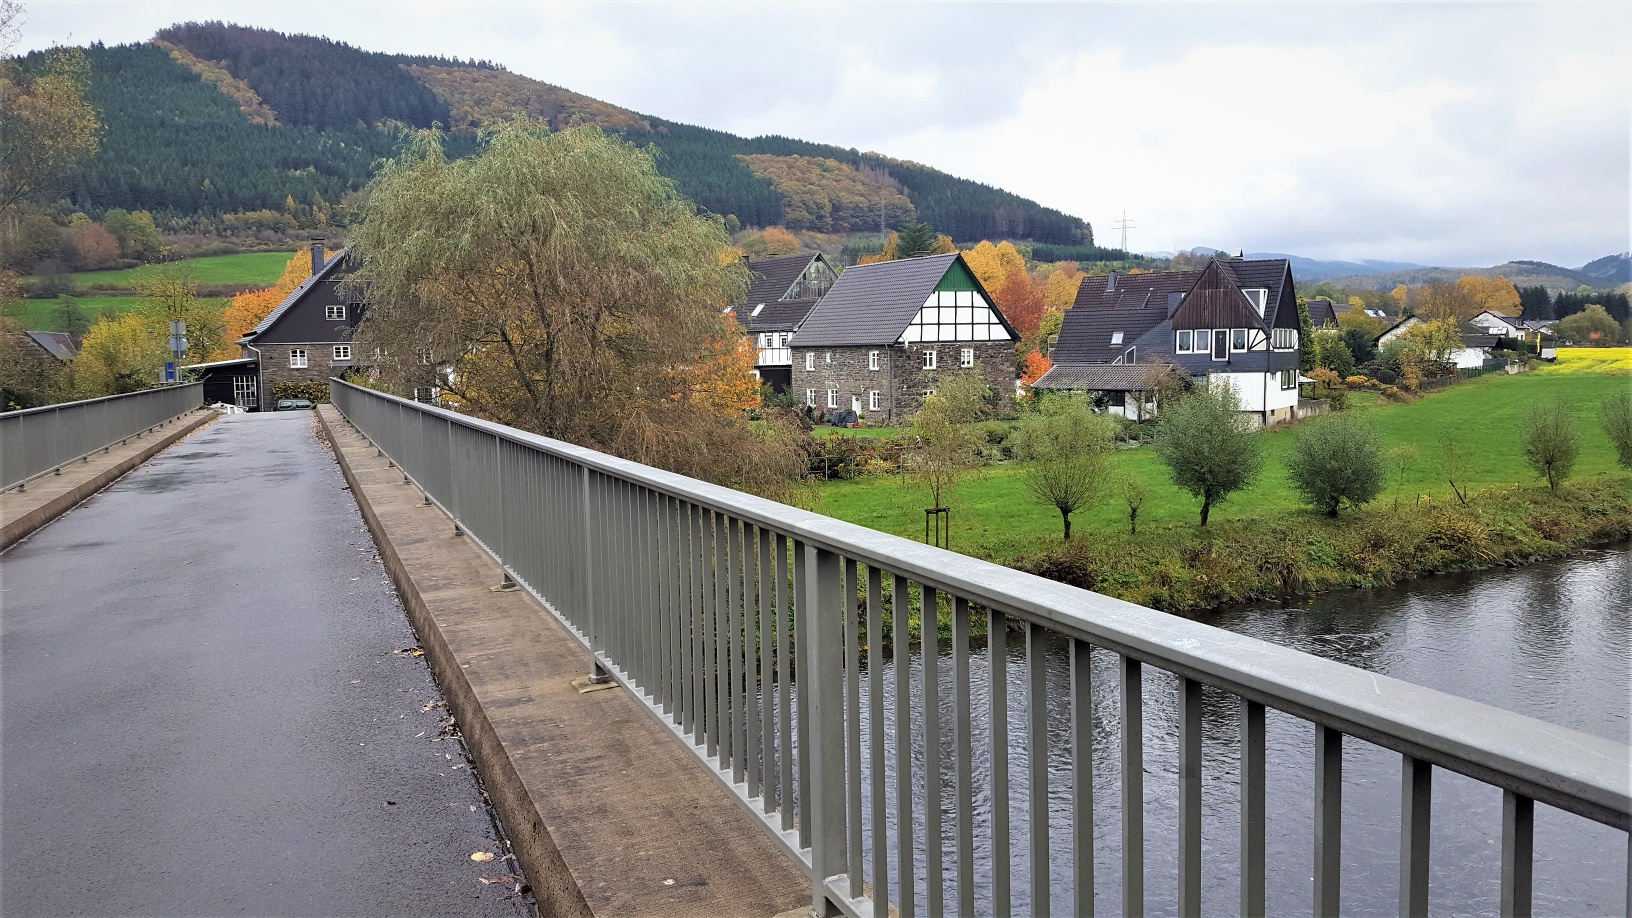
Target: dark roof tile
{"x": 873, "y": 304}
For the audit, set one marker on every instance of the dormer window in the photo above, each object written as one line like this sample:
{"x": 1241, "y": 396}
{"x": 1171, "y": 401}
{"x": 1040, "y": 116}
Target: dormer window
{"x": 1116, "y": 337}
{"x": 1258, "y": 296}
{"x": 336, "y": 311}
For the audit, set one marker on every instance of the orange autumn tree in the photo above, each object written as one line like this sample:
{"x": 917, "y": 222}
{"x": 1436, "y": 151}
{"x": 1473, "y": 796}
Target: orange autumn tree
{"x": 1032, "y": 368}
{"x": 1060, "y": 289}
{"x": 725, "y": 380}
{"x": 247, "y": 309}
{"x": 1021, "y": 300}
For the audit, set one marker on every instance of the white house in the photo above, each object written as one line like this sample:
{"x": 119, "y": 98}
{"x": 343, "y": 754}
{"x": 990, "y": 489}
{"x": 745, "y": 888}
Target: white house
{"x": 1476, "y": 343}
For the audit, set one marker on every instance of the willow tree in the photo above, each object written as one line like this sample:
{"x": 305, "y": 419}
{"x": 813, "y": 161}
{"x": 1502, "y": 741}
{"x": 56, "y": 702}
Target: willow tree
{"x": 1066, "y": 448}
{"x": 557, "y": 283}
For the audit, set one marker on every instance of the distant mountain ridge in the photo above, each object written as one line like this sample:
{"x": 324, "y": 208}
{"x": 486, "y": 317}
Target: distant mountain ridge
{"x": 214, "y": 119}
{"x": 1603, "y": 273}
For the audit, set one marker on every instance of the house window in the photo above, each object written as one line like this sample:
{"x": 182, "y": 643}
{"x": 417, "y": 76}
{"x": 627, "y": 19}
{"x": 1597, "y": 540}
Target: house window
{"x": 1259, "y": 297}
{"x": 334, "y": 311}
{"x": 872, "y": 360}
{"x": 297, "y": 358}
{"x": 1238, "y": 339}
{"x": 827, "y": 357}
{"x": 832, "y": 398}
{"x": 1183, "y": 345}
{"x": 1284, "y": 339}
{"x": 425, "y": 357}
{"x": 810, "y": 360}
{"x": 1289, "y": 379}
{"x": 872, "y": 400}
{"x": 810, "y": 397}
{"x": 342, "y": 352}
{"x": 1116, "y": 337}
{"x": 967, "y": 357}
{"x": 929, "y": 360}
{"x": 928, "y": 393}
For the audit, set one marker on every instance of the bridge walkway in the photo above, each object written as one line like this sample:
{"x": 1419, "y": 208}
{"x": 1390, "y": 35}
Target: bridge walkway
{"x": 206, "y": 709}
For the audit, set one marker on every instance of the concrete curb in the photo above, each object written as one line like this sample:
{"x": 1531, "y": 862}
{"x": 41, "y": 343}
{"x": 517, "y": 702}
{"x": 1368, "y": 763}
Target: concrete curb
{"x": 29, "y": 523}
{"x": 540, "y": 860}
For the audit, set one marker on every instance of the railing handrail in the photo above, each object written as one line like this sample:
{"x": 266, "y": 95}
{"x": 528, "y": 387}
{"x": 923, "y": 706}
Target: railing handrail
{"x": 58, "y": 406}
{"x": 1569, "y": 769}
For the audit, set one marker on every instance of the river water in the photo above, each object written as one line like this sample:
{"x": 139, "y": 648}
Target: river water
{"x": 1550, "y": 640}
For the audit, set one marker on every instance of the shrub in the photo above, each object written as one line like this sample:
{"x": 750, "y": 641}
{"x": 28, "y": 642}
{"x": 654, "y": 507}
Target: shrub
{"x": 1550, "y": 442}
{"x": 1386, "y": 376}
{"x": 1336, "y": 461}
{"x": 1395, "y": 394}
{"x": 313, "y": 389}
{"x": 1616, "y": 414}
{"x": 1357, "y": 382}
{"x": 1207, "y": 445}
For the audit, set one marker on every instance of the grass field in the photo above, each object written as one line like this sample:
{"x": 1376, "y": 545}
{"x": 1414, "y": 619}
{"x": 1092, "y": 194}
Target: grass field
{"x": 251, "y": 268}
{"x": 41, "y": 315}
{"x": 996, "y": 518}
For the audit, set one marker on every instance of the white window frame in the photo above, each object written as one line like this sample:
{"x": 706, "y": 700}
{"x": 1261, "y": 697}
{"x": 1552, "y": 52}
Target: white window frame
{"x": 929, "y": 359}
{"x": 1183, "y": 340}
{"x": 297, "y": 358}
{"x": 810, "y": 397}
{"x": 872, "y": 400}
{"x": 335, "y": 312}
{"x": 1238, "y": 333}
{"x": 1116, "y": 337}
{"x": 966, "y": 358}
{"x": 810, "y": 361}
{"x": 832, "y": 398}
{"x": 1258, "y": 297}
{"x": 928, "y": 393}
{"x": 342, "y": 352}
{"x": 827, "y": 357}
{"x": 872, "y": 360}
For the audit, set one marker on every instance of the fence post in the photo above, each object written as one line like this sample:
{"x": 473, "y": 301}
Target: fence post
{"x": 823, "y": 697}
{"x": 597, "y": 673}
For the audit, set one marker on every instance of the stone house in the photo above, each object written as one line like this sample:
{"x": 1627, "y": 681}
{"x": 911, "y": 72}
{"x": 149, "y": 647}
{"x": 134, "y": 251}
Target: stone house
{"x": 1232, "y": 323}
{"x": 882, "y": 337}
{"x": 782, "y": 290}
{"x": 307, "y": 337}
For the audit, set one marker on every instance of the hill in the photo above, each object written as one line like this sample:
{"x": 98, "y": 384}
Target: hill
{"x": 212, "y": 119}
{"x": 1521, "y": 273}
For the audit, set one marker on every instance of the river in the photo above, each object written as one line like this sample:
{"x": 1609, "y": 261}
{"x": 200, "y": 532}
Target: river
{"x": 1550, "y": 640}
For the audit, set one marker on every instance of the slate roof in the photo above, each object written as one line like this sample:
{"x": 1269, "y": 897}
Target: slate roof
{"x": 295, "y": 294}
{"x": 773, "y": 275}
{"x": 1098, "y": 377}
{"x": 1324, "y": 312}
{"x": 61, "y": 345}
{"x": 873, "y": 304}
{"x": 1086, "y": 334}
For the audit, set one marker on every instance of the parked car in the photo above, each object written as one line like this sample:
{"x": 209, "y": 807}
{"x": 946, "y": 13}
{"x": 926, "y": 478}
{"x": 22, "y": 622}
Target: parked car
{"x": 294, "y": 404}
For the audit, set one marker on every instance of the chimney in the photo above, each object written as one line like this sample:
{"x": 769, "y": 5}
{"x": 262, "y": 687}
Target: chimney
{"x": 1110, "y": 282}
{"x": 317, "y": 257}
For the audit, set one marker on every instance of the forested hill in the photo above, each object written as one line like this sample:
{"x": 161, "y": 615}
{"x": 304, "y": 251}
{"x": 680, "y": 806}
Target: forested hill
{"x": 211, "y": 119}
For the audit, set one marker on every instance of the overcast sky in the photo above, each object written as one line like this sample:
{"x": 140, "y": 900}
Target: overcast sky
{"x": 1464, "y": 134}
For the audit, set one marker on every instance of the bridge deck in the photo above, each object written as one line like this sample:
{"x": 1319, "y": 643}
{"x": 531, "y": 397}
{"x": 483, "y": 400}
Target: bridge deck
{"x": 203, "y": 711}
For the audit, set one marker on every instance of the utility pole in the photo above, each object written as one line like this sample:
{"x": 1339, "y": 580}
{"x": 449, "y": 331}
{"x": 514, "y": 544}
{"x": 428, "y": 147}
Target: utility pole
{"x": 1124, "y": 225}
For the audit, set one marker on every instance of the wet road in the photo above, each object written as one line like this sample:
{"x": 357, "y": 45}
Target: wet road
{"x": 202, "y": 710}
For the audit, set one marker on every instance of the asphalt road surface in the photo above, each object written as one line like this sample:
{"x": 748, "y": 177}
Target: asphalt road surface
{"x": 204, "y": 710}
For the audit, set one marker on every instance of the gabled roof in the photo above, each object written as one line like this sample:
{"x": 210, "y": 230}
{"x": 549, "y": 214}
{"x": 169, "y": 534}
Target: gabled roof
{"x": 1151, "y": 290}
{"x": 1089, "y": 335}
{"x": 61, "y": 345}
{"x": 874, "y": 304}
{"x": 294, "y": 296}
{"x": 772, "y": 276}
{"x": 773, "y": 316}
{"x": 1323, "y": 312}
{"x": 1099, "y": 377}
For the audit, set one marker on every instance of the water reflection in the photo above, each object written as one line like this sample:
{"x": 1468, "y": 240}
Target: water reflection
{"x": 1549, "y": 641}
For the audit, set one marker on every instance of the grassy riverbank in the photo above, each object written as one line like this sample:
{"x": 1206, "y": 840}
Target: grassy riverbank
{"x": 1264, "y": 542}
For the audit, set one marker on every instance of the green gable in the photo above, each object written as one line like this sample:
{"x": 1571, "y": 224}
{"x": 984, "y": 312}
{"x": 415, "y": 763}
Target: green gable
{"x": 957, "y": 277}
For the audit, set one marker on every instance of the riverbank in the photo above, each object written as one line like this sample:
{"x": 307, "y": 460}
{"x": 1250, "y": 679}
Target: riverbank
{"x": 1235, "y": 561}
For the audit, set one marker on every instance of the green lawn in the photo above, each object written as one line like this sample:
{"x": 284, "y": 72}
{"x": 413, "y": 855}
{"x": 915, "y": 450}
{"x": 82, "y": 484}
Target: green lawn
{"x": 257, "y": 269}
{"x": 994, "y": 516}
{"x": 41, "y": 315}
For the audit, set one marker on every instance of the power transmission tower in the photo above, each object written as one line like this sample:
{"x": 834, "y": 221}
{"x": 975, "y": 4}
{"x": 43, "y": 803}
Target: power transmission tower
{"x": 1124, "y": 225}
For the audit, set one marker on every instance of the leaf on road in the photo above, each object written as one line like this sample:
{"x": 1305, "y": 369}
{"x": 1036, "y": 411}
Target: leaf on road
{"x": 482, "y": 857}
{"x": 410, "y": 651}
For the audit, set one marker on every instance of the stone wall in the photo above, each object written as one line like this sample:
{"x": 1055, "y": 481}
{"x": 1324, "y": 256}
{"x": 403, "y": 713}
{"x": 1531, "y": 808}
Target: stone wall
{"x": 900, "y": 379}
{"x": 320, "y": 365}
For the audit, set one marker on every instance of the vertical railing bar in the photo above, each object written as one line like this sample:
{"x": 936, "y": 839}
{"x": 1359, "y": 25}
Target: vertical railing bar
{"x": 875, "y": 739}
{"x": 751, "y": 634}
{"x": 1328, "y": 819}
{"x": 1252, "y": 809}
{"x": 711, "y": 636}
{"x": 1082, "y": 779}
{"x": 928, "y": 623}
{"x": 1037, "y": 763}
{"x": 823, "y": 697}
{"x": 901, "y": 628}
{"x": 1416, "y": 810}
{"x": 1133, "y": 788}
{"x": 802, "y": 589}
{"x": 688, "y": 627}
{"x": 997, "y": 660}
{"x": 963, "y": 757}
{"x": 852, "y": 727}
{"x": 734, "y": 667}
{"x": 1518, "y": 854}
{"x": 784, "y": 682}
{"x": 767, "y": 673}
{"x": 1189, "y": 797}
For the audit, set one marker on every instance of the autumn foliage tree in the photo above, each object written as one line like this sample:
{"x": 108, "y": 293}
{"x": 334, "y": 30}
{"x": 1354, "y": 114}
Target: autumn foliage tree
{"x": 1021, "y": 300}
{"x": 575, "y": 293}
{"x": 994, "y": 263}
{"x": 247, "y": 309}
{"x": 1494, "y": 293}
{"x": 1060, "y": 289}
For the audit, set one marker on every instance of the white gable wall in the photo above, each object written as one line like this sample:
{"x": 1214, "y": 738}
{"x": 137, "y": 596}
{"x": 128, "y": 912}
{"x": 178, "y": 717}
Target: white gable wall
{"x": 954, "y": 315}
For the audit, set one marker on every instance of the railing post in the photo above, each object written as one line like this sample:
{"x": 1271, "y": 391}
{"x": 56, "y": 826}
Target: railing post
{"x": 597, "y": 673}
{"x": 823, "y": 698}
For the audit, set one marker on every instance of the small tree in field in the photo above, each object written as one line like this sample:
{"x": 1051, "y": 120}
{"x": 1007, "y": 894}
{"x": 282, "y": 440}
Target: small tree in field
{"x": 1133, "y": 493}
{"x": 1453, "y": 464}
{"x": 1402, "y": 457}
{"x": 1616, "y": 413}
{"x": 1335, "y": 462}
{"x": 943, "y": 450}
{"x": 1065, "y": 447}
{"x": 1550, "y": 442}
{"x": 1208, "y": 445}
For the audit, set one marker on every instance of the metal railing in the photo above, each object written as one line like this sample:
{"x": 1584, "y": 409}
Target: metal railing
{"x": 741, "y": 624}
{"x": 38, "y": 441}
